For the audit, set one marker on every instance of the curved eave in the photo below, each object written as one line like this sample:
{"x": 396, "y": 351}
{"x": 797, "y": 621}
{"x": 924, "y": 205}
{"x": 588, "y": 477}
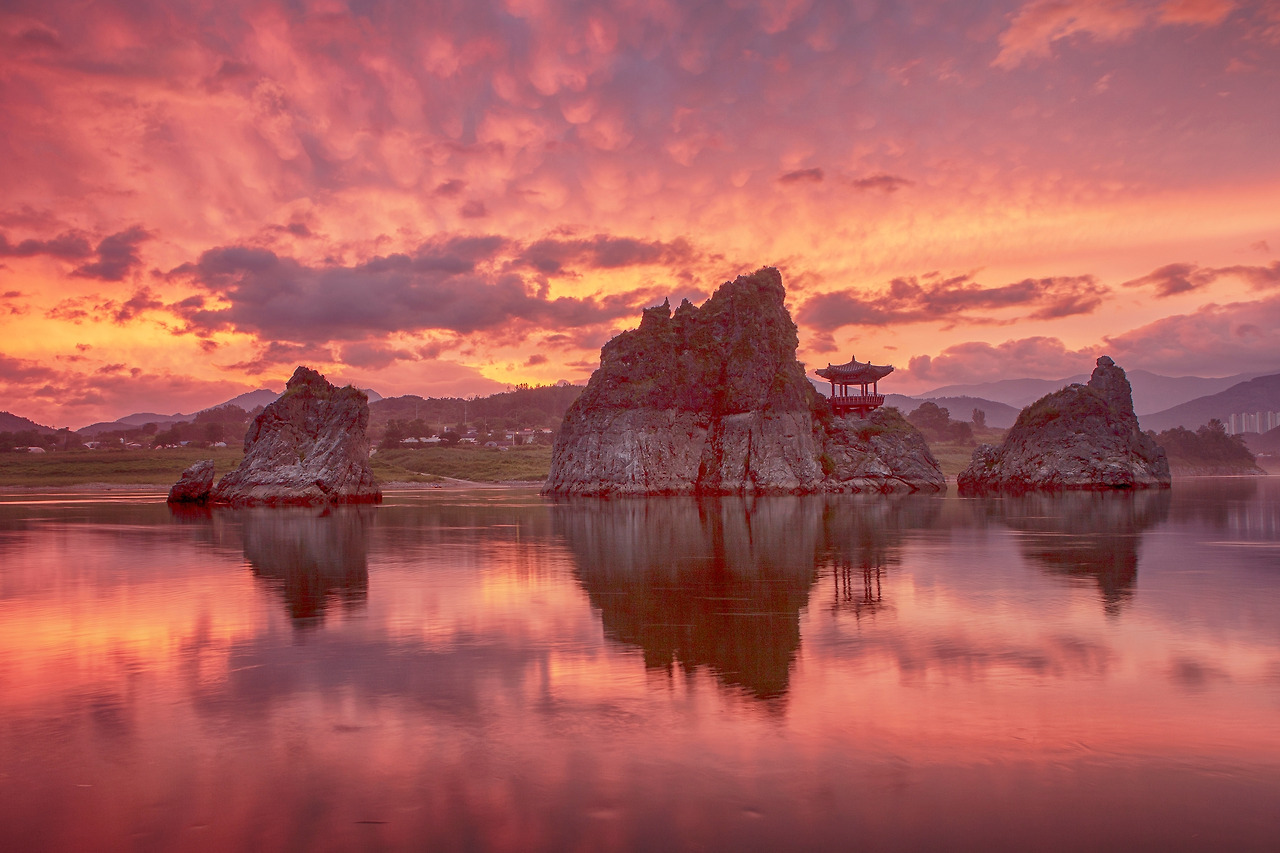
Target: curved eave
{"x": 861, "y": 373}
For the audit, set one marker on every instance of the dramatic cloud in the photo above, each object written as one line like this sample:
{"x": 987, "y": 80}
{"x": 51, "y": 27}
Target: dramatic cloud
{"x": 1037, "y": 25}
{"x": 802, "y": 176}
{"x": 70, "y": 245}
{"x": 278, "y": 355}
{"x": 1173, "y": 279}
{"x": 554, "y": 256}
{"x": 57, "y": 397}
{"x": 954, "y": 300}
{"x": 881, "y": 183}
{"x": 458, "y": 284}
{"x": 117, "y": 256}
{"x": 368, "y": 187}
{"x": 374, "y": 356}
{"x": 1039, "y": 357}
{"x": 1216, "y": 340}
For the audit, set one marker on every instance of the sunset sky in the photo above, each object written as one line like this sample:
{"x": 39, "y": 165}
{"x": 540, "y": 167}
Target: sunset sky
{"x": 454, "y": 197}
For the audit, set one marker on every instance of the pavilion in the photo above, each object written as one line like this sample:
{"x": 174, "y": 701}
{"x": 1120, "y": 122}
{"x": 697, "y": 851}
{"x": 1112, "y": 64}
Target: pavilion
{"x": 862, "y": 374}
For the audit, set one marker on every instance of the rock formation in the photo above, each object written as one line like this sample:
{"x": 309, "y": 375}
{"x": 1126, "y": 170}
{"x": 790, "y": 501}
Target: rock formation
{"x": 711, "y": 400}
{"x": 307, "y": 448}
{"x": 1082, "y": 437}
{"x": 195, "y": 484}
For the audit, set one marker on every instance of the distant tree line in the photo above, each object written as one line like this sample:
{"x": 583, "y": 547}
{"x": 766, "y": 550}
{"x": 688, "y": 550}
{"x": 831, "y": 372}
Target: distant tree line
{"x": 936, "y": 424}
{"x": 63, "y": 439}
{"x": 523, "y": 407}
{"x": 1208, "y": 445}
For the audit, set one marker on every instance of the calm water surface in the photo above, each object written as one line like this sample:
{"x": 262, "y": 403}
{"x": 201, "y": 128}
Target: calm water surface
{"x": 488, "y": 670}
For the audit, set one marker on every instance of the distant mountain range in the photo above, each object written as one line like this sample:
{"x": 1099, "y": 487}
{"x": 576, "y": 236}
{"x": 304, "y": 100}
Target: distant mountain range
{"x": 1151, "y": 392}
{"x": 14, "y": 423}
{"x": 999, "y": 415}
{"x": 1267, "y": 442}
{"x": 1162, "y": 402}
{"x": 1261, "y": 394}
{"x": 247, "y": 401}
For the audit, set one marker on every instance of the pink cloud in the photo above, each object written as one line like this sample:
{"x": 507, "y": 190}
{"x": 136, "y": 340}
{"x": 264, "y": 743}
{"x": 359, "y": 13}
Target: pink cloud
{"x": 959, "y": 299}
{"x": 1173, "y": 279}
{"x": 1037, "y": 357}
{"x": 1196, "y": 11}
{"x": 1037, "y": 25}
{"x": 1215, "y": 340}
{"x": 59, "y": 397}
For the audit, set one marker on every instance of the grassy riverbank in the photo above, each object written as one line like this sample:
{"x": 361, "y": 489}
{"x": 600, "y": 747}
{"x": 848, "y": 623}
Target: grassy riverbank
{"x": 477, "y": 464}
{"x": 112, "y": 467}
{"x": 163, "y": 467}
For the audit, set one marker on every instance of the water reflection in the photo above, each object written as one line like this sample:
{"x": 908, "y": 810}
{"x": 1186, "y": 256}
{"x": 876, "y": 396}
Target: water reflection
{"x": 921, "y": 687}
{"x": 1092, "y": 535}
{"x": 700, "y": 582}
{"x": 310, "y": 556}
{"x": 862, "y": 538}
{"x": 720, "y": 582}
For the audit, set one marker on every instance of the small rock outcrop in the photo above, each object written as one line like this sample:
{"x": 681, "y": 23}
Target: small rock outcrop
{"x": 711, "y": 400}
{"x": 307, "y": 448}
{"x": 195, "y": 484}
{"x": 1082, "y": 437}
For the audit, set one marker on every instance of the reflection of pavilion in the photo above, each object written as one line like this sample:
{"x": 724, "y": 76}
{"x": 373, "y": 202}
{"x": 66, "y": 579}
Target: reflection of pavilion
{"x": 862, "y": 539}
{"x": 857, "y": 588}
{"x": 312, "y": 557}
{"x": 862, "y": 374}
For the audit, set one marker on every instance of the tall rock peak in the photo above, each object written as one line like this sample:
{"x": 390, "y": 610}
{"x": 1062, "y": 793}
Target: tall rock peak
{"x": 711, "y": 399}
{"x": 1109, "y": 380}
{"x": 308, "y": 447}
{"x": 1082, "y": 437}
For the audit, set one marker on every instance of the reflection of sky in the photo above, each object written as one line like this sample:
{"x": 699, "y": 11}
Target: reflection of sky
{"x": 151, "y": 685}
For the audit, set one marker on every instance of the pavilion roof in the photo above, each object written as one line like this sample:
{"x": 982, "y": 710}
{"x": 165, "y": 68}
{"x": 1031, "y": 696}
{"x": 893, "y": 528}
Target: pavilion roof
{"x": 855, "y": 371}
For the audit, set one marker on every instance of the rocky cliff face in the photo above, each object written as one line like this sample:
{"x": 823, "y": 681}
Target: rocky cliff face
{"x": 711, "y": 400}
{"x": 307, "y": 448}
{"x": 1082, "y": 437}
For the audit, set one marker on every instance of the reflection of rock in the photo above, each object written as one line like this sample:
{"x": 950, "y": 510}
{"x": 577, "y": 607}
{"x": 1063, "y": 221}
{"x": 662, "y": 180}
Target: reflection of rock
{"x": 1084, "y": 534}
{"x": 1082, "y": 437}
{"x": 194, "y": 485}
{"x": 711, "y": 400}
{"x": 719, "y": 582}
{"x": 308, "y": 447}
{"x": 310, "y": 555}
{"x": 711, "y": 582}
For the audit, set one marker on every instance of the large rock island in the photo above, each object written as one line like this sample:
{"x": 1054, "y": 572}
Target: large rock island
{"x": 307, "y": 448}
{"x": 1082, "y": 437}
{"x": 711, "y": 400}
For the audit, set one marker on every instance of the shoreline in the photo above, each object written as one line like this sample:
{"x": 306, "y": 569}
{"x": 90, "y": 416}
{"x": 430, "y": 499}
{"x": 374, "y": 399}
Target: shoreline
{"x": 448, "y": 484}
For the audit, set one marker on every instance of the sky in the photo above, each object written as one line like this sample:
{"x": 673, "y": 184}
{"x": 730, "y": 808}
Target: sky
{"x": 452, "y": 198}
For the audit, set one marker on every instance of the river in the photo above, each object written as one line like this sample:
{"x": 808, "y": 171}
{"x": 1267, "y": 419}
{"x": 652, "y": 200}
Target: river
{"x": 491, "y": 670}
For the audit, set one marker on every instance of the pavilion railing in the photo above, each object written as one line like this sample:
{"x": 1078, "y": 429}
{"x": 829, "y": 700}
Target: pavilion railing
{"x": 858, "y": 401}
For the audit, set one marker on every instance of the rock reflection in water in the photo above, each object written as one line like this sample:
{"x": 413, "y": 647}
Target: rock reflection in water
{"x": 715, "y": 582}
{"x": 720, "y": 582}
{"x": 311, "y": 556}
{"x": 861, "y": 540}
{"x": 1092, "y": 535}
